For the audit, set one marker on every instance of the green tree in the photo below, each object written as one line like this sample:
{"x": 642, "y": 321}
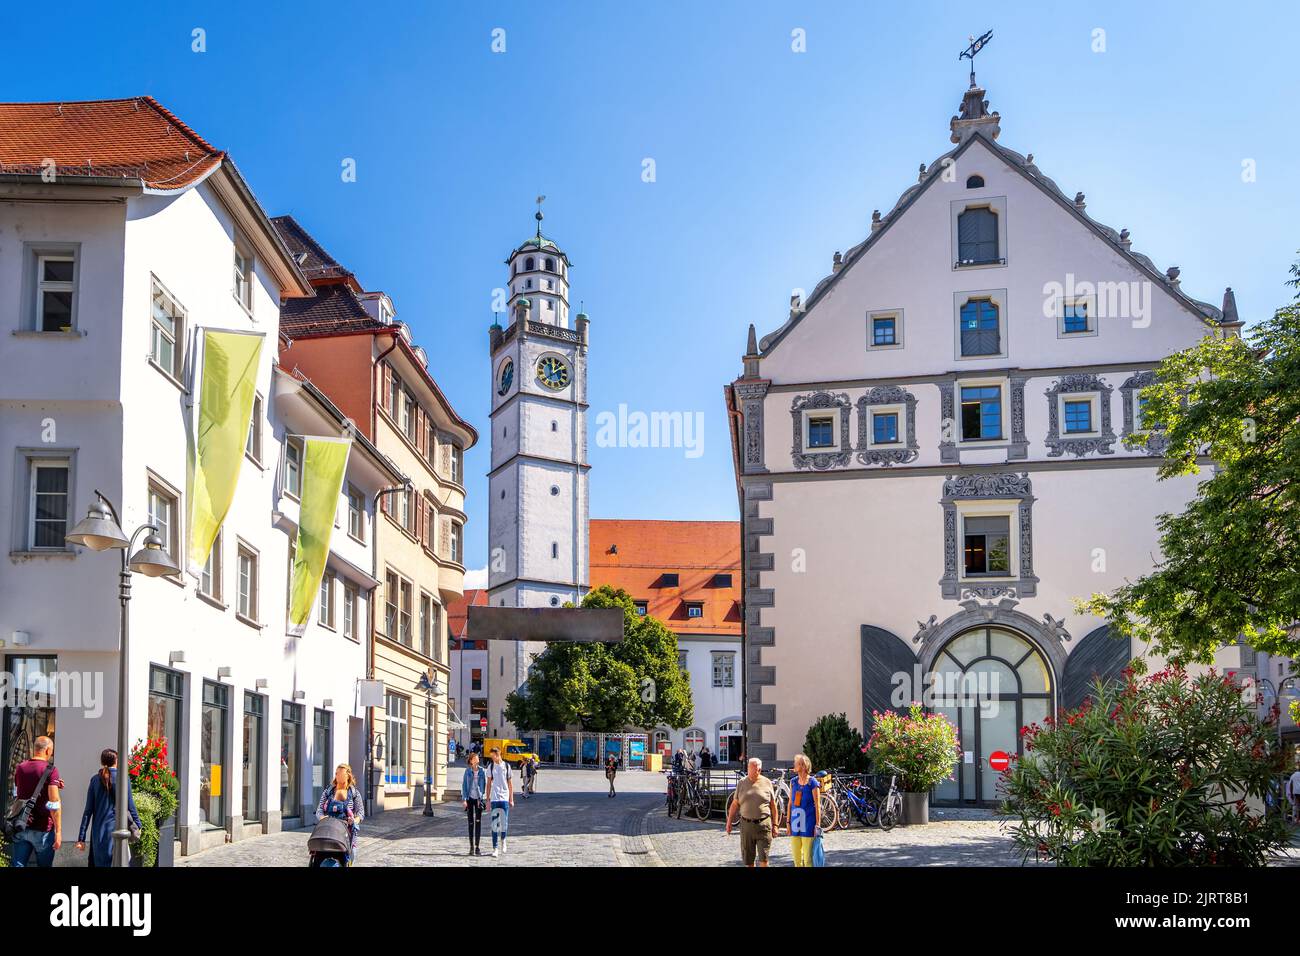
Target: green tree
{"x": 832, "y": 743}
{"x": 635, "y": 682}
{"x": 1230, "y": 562}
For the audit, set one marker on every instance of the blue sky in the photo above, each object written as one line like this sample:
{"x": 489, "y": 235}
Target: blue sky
{"x": 766, "y": 160}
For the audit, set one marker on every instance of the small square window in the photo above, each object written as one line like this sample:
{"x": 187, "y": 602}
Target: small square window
{"x": 884, "y": 331}
{"x": 1078, "y": 417}
{"x": 981, "y": 413}
{"x": 1075, "y": 317}
{"x": 821, "y": 432}
{"x": 987, "y": 546}
{"x": 694, "y": 609}
{"x": 884, "y": 428}
{"x": 642, "y": 608}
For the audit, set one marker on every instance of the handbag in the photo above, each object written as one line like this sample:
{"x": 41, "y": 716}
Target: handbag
{"x": 818, "y": 850}
{"x": 19, "y": 815}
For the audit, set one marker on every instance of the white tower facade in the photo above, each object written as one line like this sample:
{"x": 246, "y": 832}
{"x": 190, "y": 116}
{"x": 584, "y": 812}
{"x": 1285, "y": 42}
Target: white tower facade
{"x": 538, "y": 501}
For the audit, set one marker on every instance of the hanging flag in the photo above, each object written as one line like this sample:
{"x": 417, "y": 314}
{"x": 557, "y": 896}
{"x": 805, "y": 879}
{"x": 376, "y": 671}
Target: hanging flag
{"x": 324, "y": 462}
{"x": 227, "y": 386}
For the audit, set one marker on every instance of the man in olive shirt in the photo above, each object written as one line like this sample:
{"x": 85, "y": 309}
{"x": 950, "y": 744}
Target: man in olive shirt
{"x": 756, "y": 804}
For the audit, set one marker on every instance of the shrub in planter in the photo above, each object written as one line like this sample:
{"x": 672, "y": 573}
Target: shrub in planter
{"x": 921, "y": 748}
{"x": 156, "y": 792}
{"x": 833, "y": 742}
{"x": 1166, "y": 770}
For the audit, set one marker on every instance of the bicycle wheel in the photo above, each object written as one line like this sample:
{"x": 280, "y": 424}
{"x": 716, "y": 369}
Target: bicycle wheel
{"x": 783, "y": 807}
{"x": 731, "y": 798}
{"x": 889, "y": 812}
{"x": 830, "y": 812}
{"x": 703, "y": 806}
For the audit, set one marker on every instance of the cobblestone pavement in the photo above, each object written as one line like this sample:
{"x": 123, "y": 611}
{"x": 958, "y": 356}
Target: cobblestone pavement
{"x": 571, "y": 822}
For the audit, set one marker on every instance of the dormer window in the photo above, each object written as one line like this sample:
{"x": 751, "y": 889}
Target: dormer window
{"x": 977, "y": 237}
{"x": 974, "y": 182}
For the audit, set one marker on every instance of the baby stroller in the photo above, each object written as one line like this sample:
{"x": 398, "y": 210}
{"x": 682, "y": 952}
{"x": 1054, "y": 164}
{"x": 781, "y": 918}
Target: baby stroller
{"x": 329, "y": 843}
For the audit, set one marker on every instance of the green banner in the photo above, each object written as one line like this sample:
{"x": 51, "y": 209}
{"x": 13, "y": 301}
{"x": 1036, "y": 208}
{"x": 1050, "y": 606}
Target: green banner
{"x": 227, "y": 387}
{"x": 324, "y": 462}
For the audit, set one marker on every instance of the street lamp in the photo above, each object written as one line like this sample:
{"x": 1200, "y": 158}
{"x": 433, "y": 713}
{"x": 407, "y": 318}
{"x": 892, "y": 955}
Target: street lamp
{"x": 101, "y": 530}
{"x": 431, "y": 689}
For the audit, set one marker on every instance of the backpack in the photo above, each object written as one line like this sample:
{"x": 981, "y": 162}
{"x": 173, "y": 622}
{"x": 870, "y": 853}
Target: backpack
{"x": 19, "y": 815}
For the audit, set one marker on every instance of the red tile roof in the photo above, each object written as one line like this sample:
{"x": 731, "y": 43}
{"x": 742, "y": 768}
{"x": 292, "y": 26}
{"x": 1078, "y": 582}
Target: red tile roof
{"x": 315, "y": 262}
{"x": 134, "y": 138}
{"x": 693, "y": 550}
{"x": 458, "y": 612}
{"x": 333, "y": 310}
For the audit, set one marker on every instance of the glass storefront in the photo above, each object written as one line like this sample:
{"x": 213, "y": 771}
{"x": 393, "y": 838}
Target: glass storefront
{"x": 166, "y": 700}
{"x": 31, "y": 713}
{"x": 989, "y": 683}
{"x": 254, "y": 755}
{"x": 213, "y": 750}
{"x": 322, "y": 751}
{"x": 290, "y": 760}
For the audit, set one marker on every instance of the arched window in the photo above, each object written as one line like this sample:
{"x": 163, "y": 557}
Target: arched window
{"x": 1012, "y": 682}
{"x": 550, "y": 265}
{"x": 974, "y": 182}
{"x": 528, "y": 264}
{"x": 977, "y": 236}
{"x": 694, "y": 739}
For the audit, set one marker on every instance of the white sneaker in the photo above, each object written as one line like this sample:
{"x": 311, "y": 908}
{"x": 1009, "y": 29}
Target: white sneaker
{"x": 503, "y": 847}
{"x": 495, "y": 853}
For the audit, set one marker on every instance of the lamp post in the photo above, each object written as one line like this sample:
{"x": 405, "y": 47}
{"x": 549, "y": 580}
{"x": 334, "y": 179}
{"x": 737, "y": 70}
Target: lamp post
{"x": 431, "y": 689}
{"x": 101, "y": 530}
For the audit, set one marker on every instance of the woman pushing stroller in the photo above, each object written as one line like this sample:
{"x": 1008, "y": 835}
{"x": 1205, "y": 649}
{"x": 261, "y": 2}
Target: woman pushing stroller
{"x": 342, "y": 800}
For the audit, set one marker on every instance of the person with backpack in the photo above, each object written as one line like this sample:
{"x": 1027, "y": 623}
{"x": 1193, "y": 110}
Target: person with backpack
{"x": 473, "y": 797}
{"x": 501, "y": 797}
{"x": 34, "y": 822}
{"x": 100, "y": 816}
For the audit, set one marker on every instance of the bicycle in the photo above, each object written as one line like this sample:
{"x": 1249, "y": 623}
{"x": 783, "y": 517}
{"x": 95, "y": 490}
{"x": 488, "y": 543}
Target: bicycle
{"x": 857, "y": 802}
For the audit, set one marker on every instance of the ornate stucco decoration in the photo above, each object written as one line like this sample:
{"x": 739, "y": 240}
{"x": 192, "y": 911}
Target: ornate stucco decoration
{"x": 750, "y": 397}
{"x": 1079, "y": 383}
{"x": 813, "y": 458}
{"x": 1157, "y": 441}
{"x": 991, "y": 486}
{"x": 882, "y": 455}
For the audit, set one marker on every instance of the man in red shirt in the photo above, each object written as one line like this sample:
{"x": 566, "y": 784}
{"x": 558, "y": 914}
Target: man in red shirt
{"x": 44, "y": 835}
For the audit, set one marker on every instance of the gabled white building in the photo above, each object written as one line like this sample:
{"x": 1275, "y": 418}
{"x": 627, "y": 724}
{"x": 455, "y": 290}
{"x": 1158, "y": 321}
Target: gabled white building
{"x": 123, "y": 234}
{"x": 930, "y": 460}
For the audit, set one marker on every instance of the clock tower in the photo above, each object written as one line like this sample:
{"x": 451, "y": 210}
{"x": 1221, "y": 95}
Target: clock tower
{"x": 537, "y": 486}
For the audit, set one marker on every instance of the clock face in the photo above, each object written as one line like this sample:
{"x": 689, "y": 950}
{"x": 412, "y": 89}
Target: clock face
{"x": 552, "y": 372}
{"x": 507, "y": 377}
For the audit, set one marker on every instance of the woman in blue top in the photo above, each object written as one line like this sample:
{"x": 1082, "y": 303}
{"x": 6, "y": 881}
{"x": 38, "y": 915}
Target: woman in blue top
{"x": 473, "y": 793}
{"x": 805, "y": 811}
{"x": 101, "y": 811}
{"x": 342, "y": 799}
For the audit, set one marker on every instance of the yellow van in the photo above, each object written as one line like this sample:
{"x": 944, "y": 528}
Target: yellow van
{"x": 512, "y": 751}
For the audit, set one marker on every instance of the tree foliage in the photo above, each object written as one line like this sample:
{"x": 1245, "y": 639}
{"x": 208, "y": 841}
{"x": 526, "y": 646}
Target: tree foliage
{"x": 606, "y": 687}
{"x": 1230, "y": 563}
{"x": 832, "y": 742}
{"x": 1167, "y": 770}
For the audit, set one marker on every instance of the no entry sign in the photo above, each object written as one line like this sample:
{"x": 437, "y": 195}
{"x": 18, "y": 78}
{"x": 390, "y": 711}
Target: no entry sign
{"x": 999, "y": 760}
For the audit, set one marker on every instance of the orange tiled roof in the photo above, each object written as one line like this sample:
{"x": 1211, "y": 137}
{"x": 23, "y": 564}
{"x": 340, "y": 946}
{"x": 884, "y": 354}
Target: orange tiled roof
{"x": 693, "y": 550}
{"x": 134, "y": 138}
{"x": 458, "y": 612}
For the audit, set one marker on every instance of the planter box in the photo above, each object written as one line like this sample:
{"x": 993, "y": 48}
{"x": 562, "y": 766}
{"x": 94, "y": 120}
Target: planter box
{"x": 916, "y": 809}
{"x": 167, "y": 842}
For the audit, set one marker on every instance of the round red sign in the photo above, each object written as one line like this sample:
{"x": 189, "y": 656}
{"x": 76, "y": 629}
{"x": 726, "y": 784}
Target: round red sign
{"x": 482, "y": 721}
{"x": 999, "y": 760}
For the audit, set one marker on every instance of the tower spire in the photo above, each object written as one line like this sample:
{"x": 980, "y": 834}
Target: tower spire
{"x": 974, "y": 113}
{"x": 538, "y": 216}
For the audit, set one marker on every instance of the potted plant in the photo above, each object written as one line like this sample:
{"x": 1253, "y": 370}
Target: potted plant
{"x": 156, "y": 792}
{"x": 921, "y": 748}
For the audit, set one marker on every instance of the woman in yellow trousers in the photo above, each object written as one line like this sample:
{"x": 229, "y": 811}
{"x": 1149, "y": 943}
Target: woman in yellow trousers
{"x": 805, "y": 811}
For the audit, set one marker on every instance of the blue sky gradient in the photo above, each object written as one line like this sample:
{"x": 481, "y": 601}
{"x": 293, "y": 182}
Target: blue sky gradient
{"x": 767, "y": 161}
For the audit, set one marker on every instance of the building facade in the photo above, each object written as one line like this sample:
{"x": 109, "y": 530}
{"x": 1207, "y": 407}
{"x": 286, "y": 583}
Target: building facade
{"x": 537, "y": 486}
{"x": 348, "y": 342}
{"x": 112, "y": 272}
{"x": 469, "y": 670}
{"x": 686, "y": 574}
{"x": 930, "y": 459}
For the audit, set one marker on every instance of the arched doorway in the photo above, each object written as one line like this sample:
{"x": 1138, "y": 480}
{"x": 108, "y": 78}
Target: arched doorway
{"x": 990, "y": 682}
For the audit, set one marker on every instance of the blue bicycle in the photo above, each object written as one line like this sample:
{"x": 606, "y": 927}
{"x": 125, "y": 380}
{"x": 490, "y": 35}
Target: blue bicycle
{"x": 860, "y": 801}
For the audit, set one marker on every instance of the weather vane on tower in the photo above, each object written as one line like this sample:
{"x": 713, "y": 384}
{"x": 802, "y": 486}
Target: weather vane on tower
{"x": 538, "y": 217}
{"x": 976, "y": 44}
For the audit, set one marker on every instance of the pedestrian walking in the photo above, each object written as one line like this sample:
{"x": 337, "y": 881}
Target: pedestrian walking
{"x": 1293, "y": 794}
{"x": 100, "y": 815}
{"x": 501, "y": 796}
{"x": 706, "y": 759}
{"x": 341, "y": 798}
{"x": 39, "y": 822}
{"x": 611, "y": 769}
{"x": 755, "y": 804}
{"x": 473, "y": 797}
{"x": 529, "y": 771}
{"x": 805, "y": 811}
